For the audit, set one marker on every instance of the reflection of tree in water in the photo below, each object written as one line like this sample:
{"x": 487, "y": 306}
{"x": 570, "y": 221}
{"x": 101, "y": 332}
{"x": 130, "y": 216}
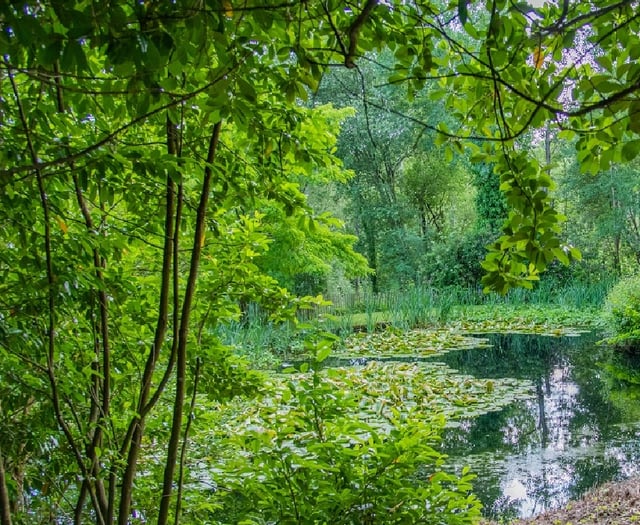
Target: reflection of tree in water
{"x": 592, "y": 471}
{"x": 621, "y": 376}
{"x": 558, "y": 445}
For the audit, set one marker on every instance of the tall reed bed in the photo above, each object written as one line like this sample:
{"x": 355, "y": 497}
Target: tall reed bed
{"x": 266, "y": 344}
{"x": 418, "y": 306}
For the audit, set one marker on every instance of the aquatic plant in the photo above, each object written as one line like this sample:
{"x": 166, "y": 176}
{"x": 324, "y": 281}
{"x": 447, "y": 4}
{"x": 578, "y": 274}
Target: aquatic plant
{"x": 342, "y": 446}
{"x": 413, "y": 343}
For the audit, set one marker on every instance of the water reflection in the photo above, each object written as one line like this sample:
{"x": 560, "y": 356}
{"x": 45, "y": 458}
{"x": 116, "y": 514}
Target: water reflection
{"x": 581, "y": 429}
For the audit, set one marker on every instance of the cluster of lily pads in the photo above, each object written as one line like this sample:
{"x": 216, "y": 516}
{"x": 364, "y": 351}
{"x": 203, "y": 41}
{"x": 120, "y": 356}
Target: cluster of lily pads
{"x": 333, "y": 439}
{"x": 529, "y": 319}
{"x": 412, "y": 343}
{"x": 425, "y": 390}
{"x": 516, "y": 326}
{"x": 383, "y": 388}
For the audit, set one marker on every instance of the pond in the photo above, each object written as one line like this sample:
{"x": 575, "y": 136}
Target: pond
{"x": 581, "y": 429}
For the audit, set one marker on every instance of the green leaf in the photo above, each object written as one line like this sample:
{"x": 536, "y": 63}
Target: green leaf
{"x": 561, "y": 255}
{"x": 51, "y": 52}
{"x": 73, "y": 57}
{"x": 462, "y": 11}
{"x": 630, "y": 150}
{"x": 323, "y": 353}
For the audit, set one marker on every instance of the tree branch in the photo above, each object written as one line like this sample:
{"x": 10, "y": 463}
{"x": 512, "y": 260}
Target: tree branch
{"x": 354, "y": 32}
{"x": 40, "y": 165}
{"x": 51, "y": 310}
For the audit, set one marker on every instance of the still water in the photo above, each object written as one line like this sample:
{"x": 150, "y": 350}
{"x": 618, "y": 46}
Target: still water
{"x": 579, "y": 430}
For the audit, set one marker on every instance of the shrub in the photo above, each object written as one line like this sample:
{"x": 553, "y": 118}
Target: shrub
{"x": 307, "y": 458}
{"x": 457, "y": 261}
{"x": 622, "y": 313}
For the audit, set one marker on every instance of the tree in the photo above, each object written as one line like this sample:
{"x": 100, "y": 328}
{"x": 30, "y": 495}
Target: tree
{"x": 604, "y": 213}
{"x": 382, "y": 145}
{"x": 429, "y": 184}
{"x": 140, "y": 143}
{"x": 491, "y": 206}
{"x": 373, "y": 144}
{"x": 506, "y": 69}
{"x": 525, "y": 73}
{"x": 314, "y": 243}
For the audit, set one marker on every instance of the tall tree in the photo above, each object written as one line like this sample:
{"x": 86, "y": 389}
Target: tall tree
{"x": 429, "y": 184}
{"x": 603, "y": 213}
{"x": 141, "y": 142}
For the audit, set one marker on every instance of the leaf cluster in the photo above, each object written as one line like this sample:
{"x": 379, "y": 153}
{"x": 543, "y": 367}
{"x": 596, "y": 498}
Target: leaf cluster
{"x": 308, "y": 454}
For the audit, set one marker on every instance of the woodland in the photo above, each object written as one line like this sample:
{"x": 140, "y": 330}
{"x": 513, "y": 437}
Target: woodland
{"x": 194, "y": 192}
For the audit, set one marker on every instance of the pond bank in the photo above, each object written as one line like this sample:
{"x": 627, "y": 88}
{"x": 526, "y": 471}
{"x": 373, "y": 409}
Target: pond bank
{"x": 615, "y": 503}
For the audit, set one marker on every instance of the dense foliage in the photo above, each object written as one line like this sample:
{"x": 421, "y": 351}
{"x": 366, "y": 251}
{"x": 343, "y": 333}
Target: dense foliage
{"x": 157, "y": 164}
{"x": 623, "y": 313}
{"x": 324, "y": 448}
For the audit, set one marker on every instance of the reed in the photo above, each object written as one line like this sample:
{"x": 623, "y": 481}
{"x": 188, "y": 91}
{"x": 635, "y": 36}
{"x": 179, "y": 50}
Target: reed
{"x": 266, "y": 344}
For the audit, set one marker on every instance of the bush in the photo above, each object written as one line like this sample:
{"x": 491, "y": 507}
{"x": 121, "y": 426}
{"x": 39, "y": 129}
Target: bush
{"x": 457, "y": 261}
{"x": 622, "y": 314}
{"x": 307, "y": 458}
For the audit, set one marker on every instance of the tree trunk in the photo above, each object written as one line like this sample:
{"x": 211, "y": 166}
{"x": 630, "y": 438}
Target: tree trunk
{"x": 424, "y": 227}
{"x": 169, "y": 251}
{"x": 542, "y": 415}
{"x": 372, "y": 256}
{"x": 5, "y": 513}
{"x": 617, "y": 264}
{"x": 547, "y": 148}
{"x": 181, "y": 371}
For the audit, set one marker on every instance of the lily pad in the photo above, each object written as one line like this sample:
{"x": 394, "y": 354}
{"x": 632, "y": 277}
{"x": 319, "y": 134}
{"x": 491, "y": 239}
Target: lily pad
{"x": 382, "y": 390}
{"x": 430, "y": 390}
{"x": 410, "y": 343}
{"x": 516, "y": 326}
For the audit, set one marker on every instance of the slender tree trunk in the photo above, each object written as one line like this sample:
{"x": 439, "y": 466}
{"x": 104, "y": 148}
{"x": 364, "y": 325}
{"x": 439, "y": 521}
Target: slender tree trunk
{"x": 178, "y": 405}
{"x": 547, "y": 148}
{"x": 5, "y": 503}
{"x": 424, "y": 227}
{"x": 136, "y": 430}
{"x": 617, "y": 263}
{"x": 372, "y": 255}
{"x": 100, "y": 402}
{"x": 102, "y": 382}
{"x": 169, "y": 275}
{"x": 51, "y": 326}
{"x": 185, "y": 441}
{"x": 617, "y": 237}
{"x": 542, "y": 415}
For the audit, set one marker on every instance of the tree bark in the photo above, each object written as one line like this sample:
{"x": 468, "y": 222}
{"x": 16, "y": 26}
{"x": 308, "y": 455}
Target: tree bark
{"x": 51, "y": 302}
{"x": 136, "y": 429}
{"x": 5, "y": 513}
{"x": 372, "y": 256}
{"x": 181, "y": 370}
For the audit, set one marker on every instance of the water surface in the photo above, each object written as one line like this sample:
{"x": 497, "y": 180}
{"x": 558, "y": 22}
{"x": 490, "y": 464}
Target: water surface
{"x": 580, "y": 430}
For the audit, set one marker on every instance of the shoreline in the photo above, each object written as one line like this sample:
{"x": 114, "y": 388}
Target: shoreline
{"x": 614, "y": 503}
